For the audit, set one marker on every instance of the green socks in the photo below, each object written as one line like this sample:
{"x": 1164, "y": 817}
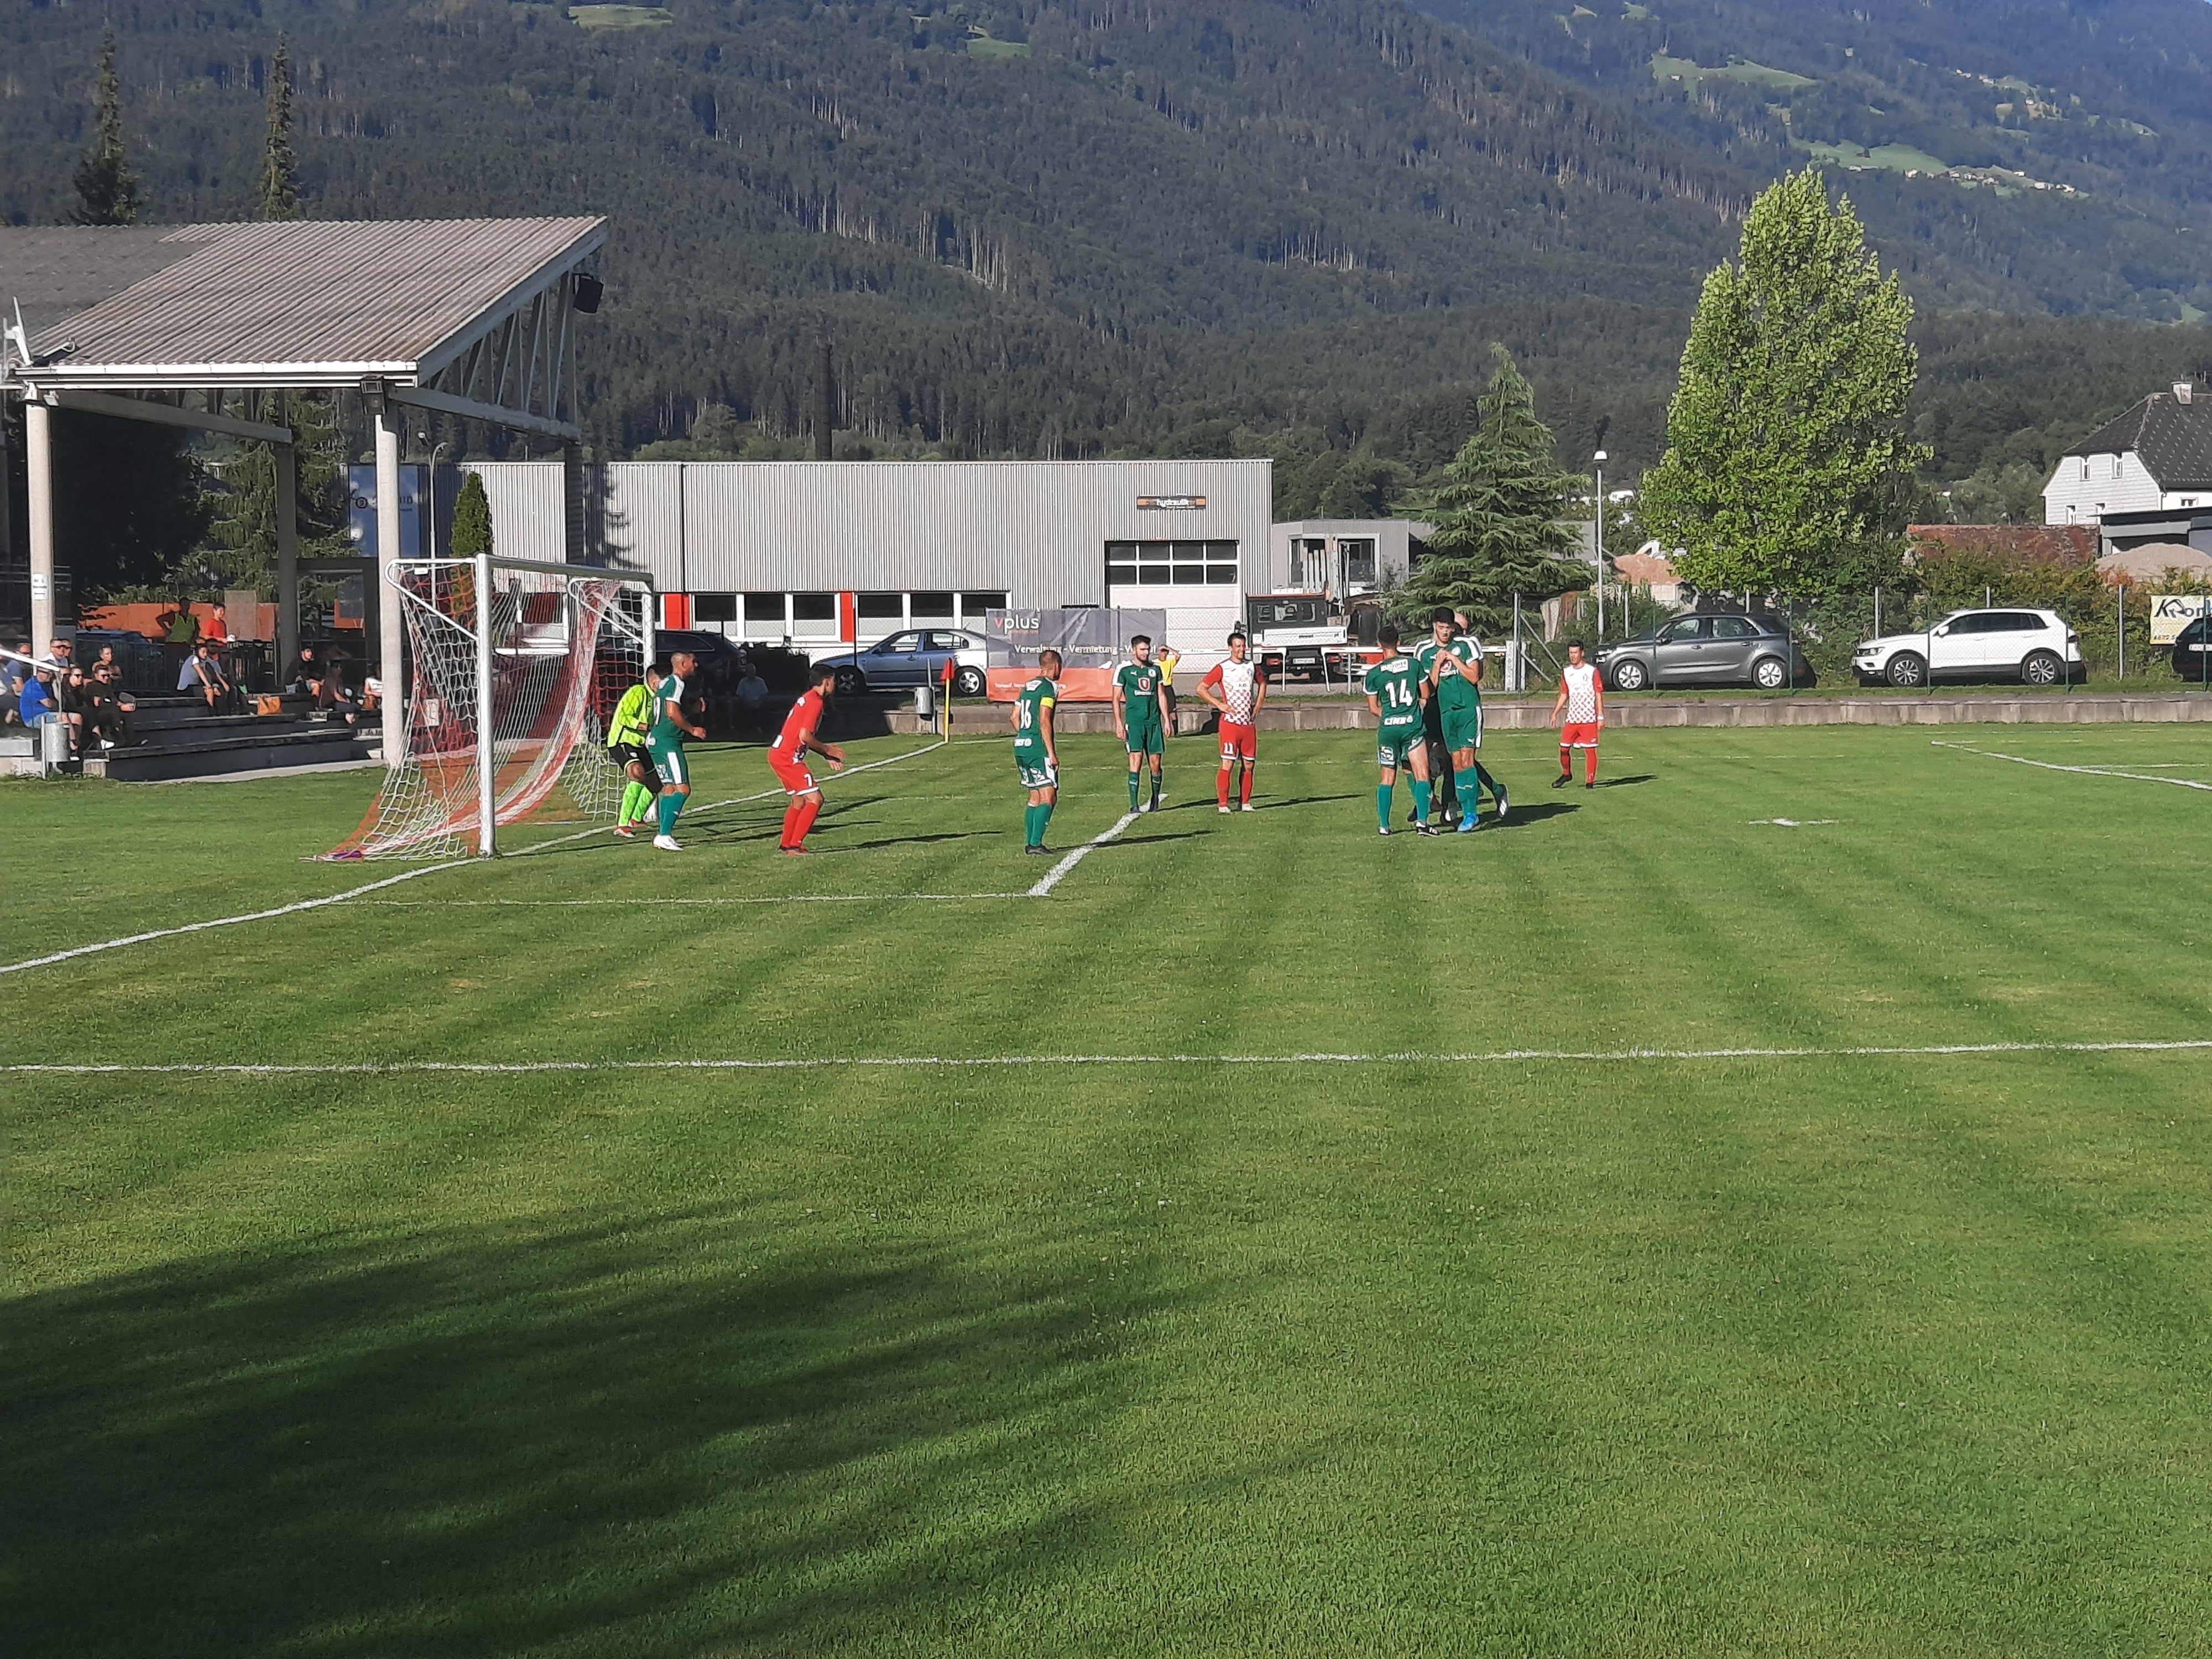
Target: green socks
{"x": 635, "y": 797}
{"x": 1155, "y": 792}
{"x": 1034, "y": 820}
{"x": 670, "y": 805}
{"x": 1383, "y": 793}
{"x": 1132, "y": 792}
{"x": 1421, "y": 799}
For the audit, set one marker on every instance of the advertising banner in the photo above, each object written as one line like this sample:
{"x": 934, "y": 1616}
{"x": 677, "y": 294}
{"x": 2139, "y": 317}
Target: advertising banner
{"x": 2172, "y": 613}
{"x": 1092, "y": 641}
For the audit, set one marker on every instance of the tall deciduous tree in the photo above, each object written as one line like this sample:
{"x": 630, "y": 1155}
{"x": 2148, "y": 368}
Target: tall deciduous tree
{"x": 472, "y": 533}
{"x": 107, "y": 193}
{"x": 1497, "y": 517}
{"x": 280, "y": 199}
{"x": 1787, "y": 465}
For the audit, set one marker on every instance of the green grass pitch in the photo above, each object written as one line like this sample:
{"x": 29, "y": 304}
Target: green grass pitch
{"x": 1662, "y": 1352}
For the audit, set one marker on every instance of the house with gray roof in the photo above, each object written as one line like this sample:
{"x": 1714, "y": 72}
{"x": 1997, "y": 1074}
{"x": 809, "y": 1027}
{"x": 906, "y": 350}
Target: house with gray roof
{"x": 2155, "y": 458}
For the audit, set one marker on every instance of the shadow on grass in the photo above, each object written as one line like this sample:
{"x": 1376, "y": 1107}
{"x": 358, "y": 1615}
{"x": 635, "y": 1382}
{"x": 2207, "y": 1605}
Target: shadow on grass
{"x": 914, "y": 840}
{"x": 1535, "y": 812}
{"x": 1623, "y": 783}
{"x": 652, "y": 1437}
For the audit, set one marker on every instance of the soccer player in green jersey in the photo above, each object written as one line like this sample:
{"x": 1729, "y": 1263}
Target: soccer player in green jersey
{"x": 1140, "y": 716}
{"x": 1036, "y": 750}
{"x": 666, "y": 742}
{"x": 1426, "y": 656}
{"x": 1395, "y": 693}
{"x": 1455, "y": 690}
{"x": 626, "y": 734}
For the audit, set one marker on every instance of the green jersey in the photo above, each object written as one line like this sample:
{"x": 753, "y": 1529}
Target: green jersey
{"x": 632, "y": 715}
{"x": 665, "y": 732}
{"x": 1454, "y": 692}
{"x": 1140, "y": 682}
{"x": 1030, "y": 708}
{"x": 1395, "y": 683}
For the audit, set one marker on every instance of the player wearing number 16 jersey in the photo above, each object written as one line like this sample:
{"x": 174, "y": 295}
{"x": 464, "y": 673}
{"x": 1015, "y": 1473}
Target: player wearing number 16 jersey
{"x": 1239, "y": 690}
{"x": 1037, "y": 750}
{"x": 1396, "y": 689}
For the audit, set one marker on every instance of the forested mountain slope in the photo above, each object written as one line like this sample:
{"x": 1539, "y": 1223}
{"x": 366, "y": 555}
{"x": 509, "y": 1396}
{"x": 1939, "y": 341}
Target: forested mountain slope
{"x": 1044, "y": 225}
{"x": 2068, "y": 142}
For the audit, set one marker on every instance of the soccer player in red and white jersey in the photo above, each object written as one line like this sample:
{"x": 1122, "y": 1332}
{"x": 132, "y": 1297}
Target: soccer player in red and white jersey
{"x": 1239, "y": 690}
{"x": 1581, "y": 699}
{"x": 787, "y": 757}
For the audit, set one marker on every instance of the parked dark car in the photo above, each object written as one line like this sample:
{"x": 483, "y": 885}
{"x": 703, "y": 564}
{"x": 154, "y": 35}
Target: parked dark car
{"x": 1707, "y": 648}
{"x": 716, "y": 655}
{"x": 2192, "y": 652}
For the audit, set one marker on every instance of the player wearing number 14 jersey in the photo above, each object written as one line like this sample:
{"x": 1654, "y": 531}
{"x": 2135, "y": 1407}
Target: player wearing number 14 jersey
{"x": 1396, "y": 689}
{"x": 1238, "y": 690}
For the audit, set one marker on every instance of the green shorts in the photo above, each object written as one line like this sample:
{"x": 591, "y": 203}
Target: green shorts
{"x": 1147, "y": 739}
{"x": 1463, "y": 728}
{"x": 1393, "y": 743}
{"x": 1036, "y": 772}
{"x": 668, "y": 761}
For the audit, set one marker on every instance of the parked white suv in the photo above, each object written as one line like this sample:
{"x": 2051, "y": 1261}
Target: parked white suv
{"x": 2035, "y": 647}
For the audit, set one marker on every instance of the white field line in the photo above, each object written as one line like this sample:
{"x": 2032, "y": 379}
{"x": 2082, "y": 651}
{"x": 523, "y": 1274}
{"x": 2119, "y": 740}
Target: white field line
{"x": 2092, "y": 771}
{"x": 389, "y": 881}
{"x": 1051, "y": 878}
{"x": 1556, "y": 1056}
{"x": 770, "y": 898}
{"x": 230, "y": 921}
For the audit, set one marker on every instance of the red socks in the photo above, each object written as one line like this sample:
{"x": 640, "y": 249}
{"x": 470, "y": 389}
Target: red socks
{"x": 1567, "y": 762}
{"x": 1221, "y": 787}
{"x": 797, "y": 819}
{"x": 1590, "y": 763}
{"x": 1245, "y": 788}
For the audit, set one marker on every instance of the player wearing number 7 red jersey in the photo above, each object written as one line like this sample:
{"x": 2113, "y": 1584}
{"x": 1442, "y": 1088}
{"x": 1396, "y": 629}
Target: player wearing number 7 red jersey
{"x": 786, "y": 758}
{"x": 1239, "y": 690}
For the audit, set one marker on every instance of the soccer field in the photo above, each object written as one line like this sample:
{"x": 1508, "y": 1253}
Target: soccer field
{"x": 1761, "y": 1204}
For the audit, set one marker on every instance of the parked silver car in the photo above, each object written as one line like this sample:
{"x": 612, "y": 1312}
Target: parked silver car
{"x": 1707, "y": 648}
{"x": 916, "y": 656}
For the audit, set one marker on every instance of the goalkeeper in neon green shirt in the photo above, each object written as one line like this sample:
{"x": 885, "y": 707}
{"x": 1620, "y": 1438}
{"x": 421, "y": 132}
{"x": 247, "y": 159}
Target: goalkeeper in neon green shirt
{"x": 626, "y": 736}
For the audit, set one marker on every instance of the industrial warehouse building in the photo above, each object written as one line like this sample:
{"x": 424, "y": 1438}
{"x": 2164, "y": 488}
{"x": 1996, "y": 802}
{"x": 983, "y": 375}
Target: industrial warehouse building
{"x": 822, "y": 553}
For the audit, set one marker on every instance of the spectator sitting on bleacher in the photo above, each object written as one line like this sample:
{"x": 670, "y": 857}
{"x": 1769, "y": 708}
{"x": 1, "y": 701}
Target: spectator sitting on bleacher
{"x": 111, "y": 706}
{"x": 34, "y": 704}
{"x": 331, "y": 696}
{"x": 306, "y": 673}
{"x": 73, "y": 697}
{"x": 203, "y": 675}
{"x": 14, "y": 675}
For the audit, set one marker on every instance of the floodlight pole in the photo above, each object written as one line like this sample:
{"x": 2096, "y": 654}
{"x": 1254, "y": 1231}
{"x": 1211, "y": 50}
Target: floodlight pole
{"x": 487, "y": 738}
{"x": 1599, "y": 459}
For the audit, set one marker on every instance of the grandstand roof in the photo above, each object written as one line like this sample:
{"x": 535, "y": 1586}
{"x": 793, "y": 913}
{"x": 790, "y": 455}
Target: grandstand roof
{"x": 304, "y": 303}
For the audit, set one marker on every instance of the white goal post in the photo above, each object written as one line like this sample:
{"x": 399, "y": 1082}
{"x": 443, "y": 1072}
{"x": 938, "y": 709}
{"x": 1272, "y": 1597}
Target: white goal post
{"x": 513, "y": 667}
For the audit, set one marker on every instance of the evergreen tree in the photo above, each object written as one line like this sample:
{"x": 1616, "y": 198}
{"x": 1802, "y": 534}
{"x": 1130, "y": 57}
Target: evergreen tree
{"x": 245, "y": 527}
{"x": 108, "y": 194}
{"x": 1787, "y": 469}
{"x": 472, "y": 534}
{"x": 1496, "y": 516}
{"x": 279, "y": 198}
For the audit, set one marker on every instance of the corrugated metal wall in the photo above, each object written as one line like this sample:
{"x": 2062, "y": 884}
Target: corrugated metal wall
{"x": 1035, "y": 530}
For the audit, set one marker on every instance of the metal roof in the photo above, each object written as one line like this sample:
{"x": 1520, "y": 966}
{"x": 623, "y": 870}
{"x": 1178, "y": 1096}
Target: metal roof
{"x": 304, "y": 303}
{"x": 2173, "y": 438}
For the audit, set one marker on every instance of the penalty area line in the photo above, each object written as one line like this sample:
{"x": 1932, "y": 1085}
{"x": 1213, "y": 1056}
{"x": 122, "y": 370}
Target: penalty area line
{"x": 230, "y": 921}
{"x": 815, "y": 1063}
{"x": 2053, "y": 766}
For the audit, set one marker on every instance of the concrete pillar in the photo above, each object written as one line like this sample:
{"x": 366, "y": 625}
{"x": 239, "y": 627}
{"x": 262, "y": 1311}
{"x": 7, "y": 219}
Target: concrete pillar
{"x": 288, "y": 559}
{"x": 39, "y": 463}
{"x": 390, "y": 623}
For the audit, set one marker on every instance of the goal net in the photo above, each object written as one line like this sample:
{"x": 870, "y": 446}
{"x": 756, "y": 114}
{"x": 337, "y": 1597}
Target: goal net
{"x": 513, "y": 668}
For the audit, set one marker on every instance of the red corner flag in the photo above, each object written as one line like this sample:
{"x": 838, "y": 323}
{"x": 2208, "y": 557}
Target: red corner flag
{"x": 950, "y": 672}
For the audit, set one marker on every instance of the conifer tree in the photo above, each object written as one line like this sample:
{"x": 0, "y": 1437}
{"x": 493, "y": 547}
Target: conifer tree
{"x": 1787, "y": 469}
{"x": 107, "y": 193}
{"x": 1496, "y": 516}
{"x": 245, "y": 527}
{"x": 279, "y": 198}
{"x": 471, "y": 519}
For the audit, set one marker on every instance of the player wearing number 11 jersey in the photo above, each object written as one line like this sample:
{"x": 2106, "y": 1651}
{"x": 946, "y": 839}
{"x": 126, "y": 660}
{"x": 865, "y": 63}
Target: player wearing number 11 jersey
{"x": 1239, "y": 690}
